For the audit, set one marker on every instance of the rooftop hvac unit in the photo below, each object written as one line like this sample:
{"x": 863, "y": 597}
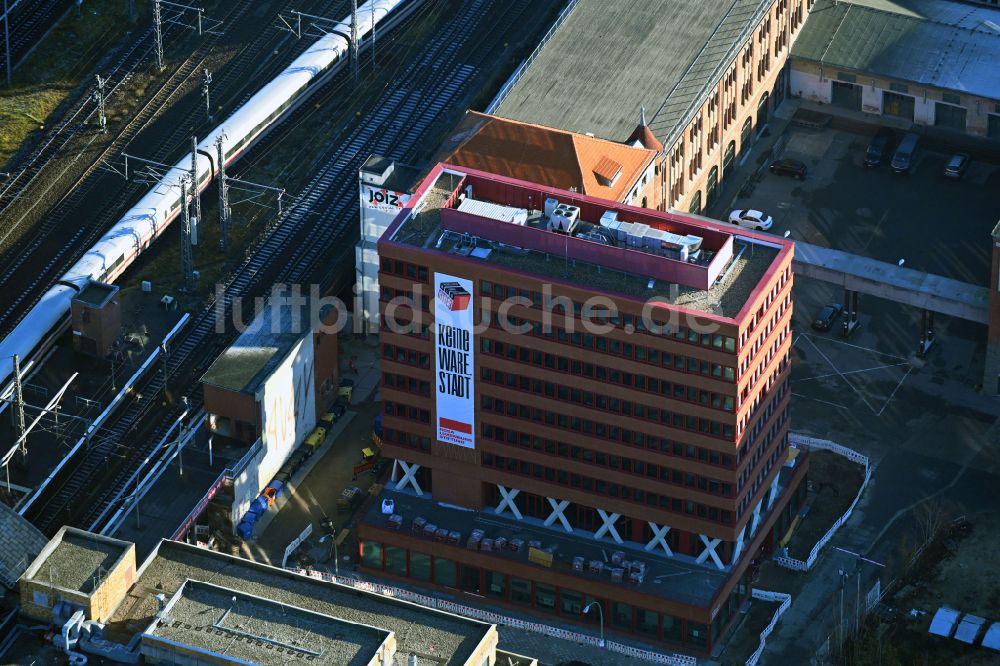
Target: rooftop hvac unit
{"x": 636, "y": 236}
{"x": 550, "y": 206}
{"x": 609, "y": 217}
{"x": 564, "y": 218}
{"x": 494, "y": 211}
{"x": 623, "y": 231}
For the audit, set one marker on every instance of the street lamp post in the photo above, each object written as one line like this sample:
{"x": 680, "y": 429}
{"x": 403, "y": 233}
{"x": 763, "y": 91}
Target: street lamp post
{"x": 600, "y": 614}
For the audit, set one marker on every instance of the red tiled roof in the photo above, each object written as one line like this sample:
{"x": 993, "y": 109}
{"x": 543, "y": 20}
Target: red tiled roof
{"x": 547, "y": 156}
{"x": 645, "y": 136}
{"x": 606, "y": 169}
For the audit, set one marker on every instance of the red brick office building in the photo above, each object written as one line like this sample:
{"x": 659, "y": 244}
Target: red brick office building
{"x": 626, "y": 444}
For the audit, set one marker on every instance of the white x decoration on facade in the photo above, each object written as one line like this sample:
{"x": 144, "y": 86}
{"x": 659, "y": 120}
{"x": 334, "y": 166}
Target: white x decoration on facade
{"x": 409, "y": 476}
{"x": 774, "y": 491}
{"x": 558, "y": 506}
{"x": 507, "y": 501}
{"x": 710, "y": 546}
{"x": 609, "y": 526}
{"x": 738, "y": 546}
{"x": 659, "y": 538}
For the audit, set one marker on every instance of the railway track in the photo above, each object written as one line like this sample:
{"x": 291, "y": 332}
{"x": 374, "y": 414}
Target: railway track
{"x": 28, "y": 22}
{"x": 53, "y": 252}
{"x": 296, "y": 250}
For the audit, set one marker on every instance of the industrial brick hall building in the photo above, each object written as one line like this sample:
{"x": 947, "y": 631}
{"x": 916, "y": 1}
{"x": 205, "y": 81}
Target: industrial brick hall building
{"x": 588, "y": 402}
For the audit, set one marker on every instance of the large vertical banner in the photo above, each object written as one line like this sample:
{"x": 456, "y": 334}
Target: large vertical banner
{"x": 453, "y": 360}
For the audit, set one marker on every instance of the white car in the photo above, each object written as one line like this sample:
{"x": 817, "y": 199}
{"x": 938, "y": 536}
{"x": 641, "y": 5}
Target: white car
{"x": 751, "y": 219}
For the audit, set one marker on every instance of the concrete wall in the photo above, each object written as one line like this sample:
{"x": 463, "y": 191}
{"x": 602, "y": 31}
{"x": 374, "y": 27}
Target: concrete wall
{"x": 237, "y": 414}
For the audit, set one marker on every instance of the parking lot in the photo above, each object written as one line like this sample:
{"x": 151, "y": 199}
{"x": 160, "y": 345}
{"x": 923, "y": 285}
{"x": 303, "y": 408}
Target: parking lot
{"x": 922, "y": 421}
{"x": 936, "y": 224}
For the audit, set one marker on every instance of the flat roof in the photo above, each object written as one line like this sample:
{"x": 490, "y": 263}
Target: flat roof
{"x": 267, "y": 341}
{"x": 76, "y": 560}
{"x": 96, "y": 294}
{"x": 400, "y": 177}
{"x": 608, "y": 59}
{"x": 677, "y": 578}
{"x": 418, "y": 630}
{"x": 243, "y": 627}
{"x": 739, "y": 275}
{"x": 935, "y": 43}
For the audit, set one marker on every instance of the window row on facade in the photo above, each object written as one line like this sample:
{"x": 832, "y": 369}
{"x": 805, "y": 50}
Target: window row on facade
{"x": 587, "y": 427}
{"x": 600, "y": 486}
{"x": 652, "y": 357}
{"x": 545, "y": 598}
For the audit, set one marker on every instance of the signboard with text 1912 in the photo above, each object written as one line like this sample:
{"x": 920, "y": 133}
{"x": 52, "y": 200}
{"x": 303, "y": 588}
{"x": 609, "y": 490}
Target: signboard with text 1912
{"x": 453, "y": 360}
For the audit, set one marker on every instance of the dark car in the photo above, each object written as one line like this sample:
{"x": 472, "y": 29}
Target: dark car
{"x": 792, "y": 168}
{"x": 879, "y": 147}
{"x": 957, "y": 165}
{"x": 825, "y": 318}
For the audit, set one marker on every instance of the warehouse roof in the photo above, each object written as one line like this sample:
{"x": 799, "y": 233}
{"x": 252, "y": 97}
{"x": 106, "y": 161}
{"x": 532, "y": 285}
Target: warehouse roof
{"x": 928, "y": 42}
{"x": 608, "y": 59}
{"x": 263, "y": 345}
{"x": 419, "y": 631}
{"x": 228, "y": 623}
{"x": 547, "y": 156}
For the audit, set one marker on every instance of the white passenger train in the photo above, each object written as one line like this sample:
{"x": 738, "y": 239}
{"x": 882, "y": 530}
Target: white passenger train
{"x": 148, "y": 219}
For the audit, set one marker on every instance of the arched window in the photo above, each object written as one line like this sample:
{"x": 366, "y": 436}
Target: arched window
{"x": 762, "y": 111}
{"x": 746, "y": 137}
{"x": 727, "y": 160}
{"x": 695, "y": 206}
{"x": 711, "y": 189}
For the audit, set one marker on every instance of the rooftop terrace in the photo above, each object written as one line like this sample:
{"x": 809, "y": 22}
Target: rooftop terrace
{"x": 678, "y": 578}
{"x": 720, "y": 283}
{"x": 242, "y": 627}
{"x": 420, "y": 631}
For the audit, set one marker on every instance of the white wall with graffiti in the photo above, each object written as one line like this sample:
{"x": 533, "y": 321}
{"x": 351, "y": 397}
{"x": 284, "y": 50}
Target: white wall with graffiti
{"x": 287, "y": 402}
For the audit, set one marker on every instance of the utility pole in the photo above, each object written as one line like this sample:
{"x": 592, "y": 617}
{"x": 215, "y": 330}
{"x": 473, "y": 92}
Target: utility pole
{"x": 372, "y": 47}
{"x": 19, "y": 427}
{"x": 6, "y": 40}
{"x": 99, "y": 98}
{"x": 205, "y": 82}
{"x": 187, "y": 259}
{"x": 223, "y": 196}
{"x": 158, "y": 27}
{"x": 195, "y": 181}
{"x": 354, "y": 39}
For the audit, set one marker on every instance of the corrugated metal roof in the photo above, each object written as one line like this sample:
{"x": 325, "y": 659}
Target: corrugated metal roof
{"x": 610, "y": 58}
{"x": 20, "y": 544}
{"x": 939, "y": 44}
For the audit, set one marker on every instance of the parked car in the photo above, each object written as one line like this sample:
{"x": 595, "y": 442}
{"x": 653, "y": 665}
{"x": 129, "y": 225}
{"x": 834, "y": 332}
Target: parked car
{"x": 906, "y": 153}
{"x": 827, "y": 316}
{"x": 793, "y": 168}
{"x": 879, "y": 147}
{"x": 957, "y": 165}
{"x": 751, "y": 219}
